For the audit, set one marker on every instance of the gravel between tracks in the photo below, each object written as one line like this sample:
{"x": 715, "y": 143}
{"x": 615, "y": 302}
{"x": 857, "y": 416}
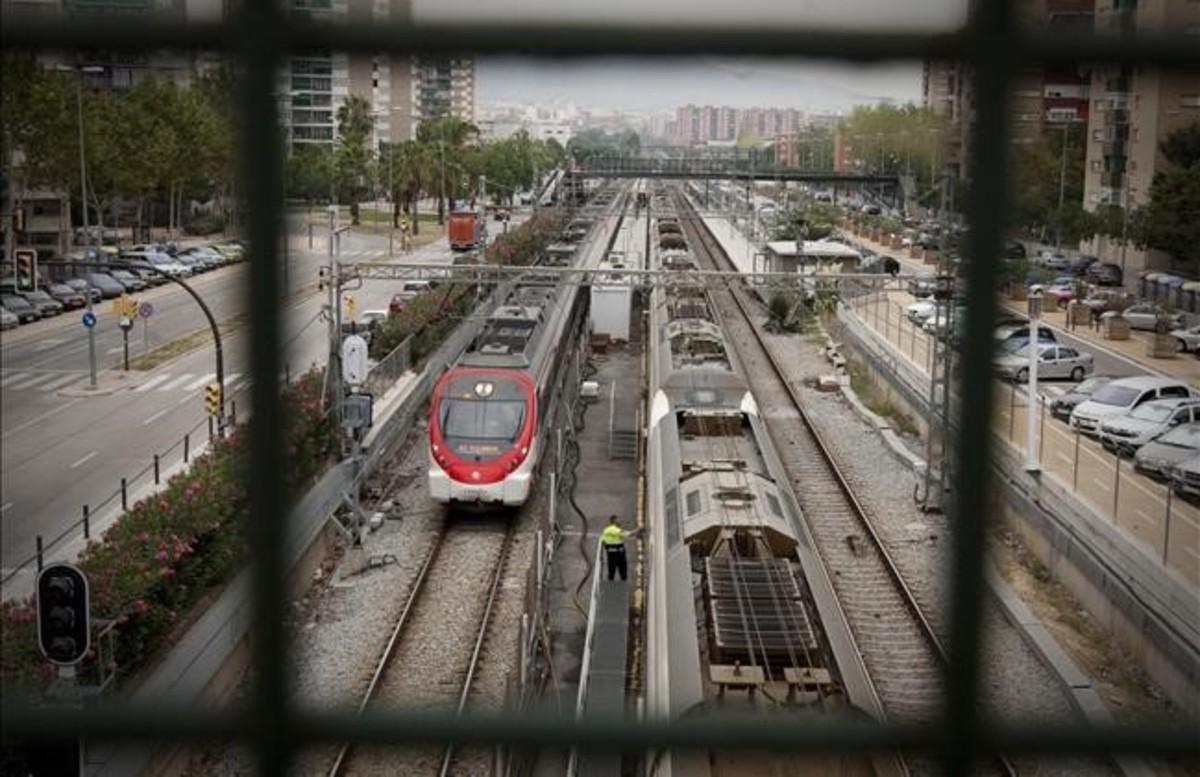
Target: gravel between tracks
{"x": 1017, "y": 685}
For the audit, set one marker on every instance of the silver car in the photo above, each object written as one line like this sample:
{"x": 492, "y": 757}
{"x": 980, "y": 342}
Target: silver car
{"x": 1144, "y": 316}
{"x": 1185, "y": 479}
{"x": 1054, "y": 362}
{"x": 8, "y": 320}
{"x": 1126, "y": 433}
{"x": 1189, "y": 339}
{"x": 1175, "y": 447}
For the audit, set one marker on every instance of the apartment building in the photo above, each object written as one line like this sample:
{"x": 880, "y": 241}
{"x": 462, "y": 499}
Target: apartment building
{"x": 697, "y": 125}
{"x": 1133, "y": 109}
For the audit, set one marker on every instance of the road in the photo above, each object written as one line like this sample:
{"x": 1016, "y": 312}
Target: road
{"x": 62, "y": 450}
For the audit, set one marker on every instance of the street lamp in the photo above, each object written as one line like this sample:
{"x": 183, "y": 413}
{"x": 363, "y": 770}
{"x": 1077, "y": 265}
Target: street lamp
{"x": 87, "y": 237}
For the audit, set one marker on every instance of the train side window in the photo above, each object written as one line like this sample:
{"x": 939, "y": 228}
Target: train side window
{"x": 774, "y": 503}
{"x": 693, "y": 502}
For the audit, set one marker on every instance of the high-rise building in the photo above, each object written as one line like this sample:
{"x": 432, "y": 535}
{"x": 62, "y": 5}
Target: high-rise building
{"x": 444, "y": 87}
{"x": 696, "y": 125}
{"x": 1133, "y": 109}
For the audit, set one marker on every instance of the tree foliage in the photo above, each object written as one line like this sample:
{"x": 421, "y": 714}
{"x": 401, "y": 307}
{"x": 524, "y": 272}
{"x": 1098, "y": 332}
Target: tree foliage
{"x": 1038, "y": 171}
{"x": 897, "y": 139}
{"x": 1169, "y": 221}
{"x": 597, "y": 142}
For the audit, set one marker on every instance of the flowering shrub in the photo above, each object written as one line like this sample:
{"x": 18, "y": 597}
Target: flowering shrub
{"x": 520, "y": 246}
{"x": 151, "y": 567}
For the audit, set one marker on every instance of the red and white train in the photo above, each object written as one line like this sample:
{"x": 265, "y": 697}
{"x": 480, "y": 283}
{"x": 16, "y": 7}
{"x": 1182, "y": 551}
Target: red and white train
{"x": 485, "y": 415}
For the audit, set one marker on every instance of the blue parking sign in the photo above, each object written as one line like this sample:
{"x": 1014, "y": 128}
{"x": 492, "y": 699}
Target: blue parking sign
{"x": 89, "y": 320}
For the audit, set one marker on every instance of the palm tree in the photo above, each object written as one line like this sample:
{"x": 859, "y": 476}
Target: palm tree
{"x": 446, "y": 137}
{"x": 354, "y": 150}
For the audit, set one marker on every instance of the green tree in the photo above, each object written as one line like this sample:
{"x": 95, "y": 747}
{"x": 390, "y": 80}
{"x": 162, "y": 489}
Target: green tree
{"x": 1044, "y": 172}
{"x": 309, "y": 173}
{"x": 353, "y": 152}
{"x": 896, "y": 140}
{"x": 1169, "y": 222}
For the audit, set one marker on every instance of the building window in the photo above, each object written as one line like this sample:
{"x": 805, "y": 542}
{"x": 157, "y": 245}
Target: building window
{"x": 1190, "y": 100}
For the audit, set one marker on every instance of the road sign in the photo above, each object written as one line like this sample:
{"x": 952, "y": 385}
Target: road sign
{"x": 89, "y": 320}
{"x": 145, "y": 310}
{"x": 126, "y": 322}
{"x": 125, "y": 306}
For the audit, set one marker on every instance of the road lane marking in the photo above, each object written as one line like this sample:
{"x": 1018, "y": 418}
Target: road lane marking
{"x": 156, "y": 416}
{"x": 20, "y": 427}
{"x": 64, "y": 381}
{"x": 152, "y": 382}
{"x": 209, "y": 378}
{"x": 85, "y": 459}
{"x": 4, "y": 507}
{"x": 111, "y": 351}
{"x": 13, "y": 378}
{"x": 231, "y": 379}
{"x": 184, "y": 378}
{"x": 31, "y": 381}
{"x": 1103, "y": 484}
{"x": 1145, "y": 516}
{"x": 49, "y": 342}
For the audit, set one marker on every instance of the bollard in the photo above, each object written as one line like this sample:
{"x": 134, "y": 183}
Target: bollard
{"x": 156, "y": 470}
{"x": 186, "y": 439}
{"x": 210, "y": 428}
{"x": 87, "y": 524}
{"x": 233, "y": 412}
{"x": 1116, "y": 484}
{"x": 1167, "y": 527}
{"x": 124, "y": 496}
{"x": 1041, "y": 428}
{"x": 1075, "y": 464}
{"x": 39, "y": 552}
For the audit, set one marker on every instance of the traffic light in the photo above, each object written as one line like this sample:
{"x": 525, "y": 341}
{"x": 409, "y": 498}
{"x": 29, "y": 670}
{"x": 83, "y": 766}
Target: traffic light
{"x": 18, "y": 219}
{"x": 63, "y": 619}
{"x": 350, "y": 306}
{"x": 26, "y": 259}
{"x": 212, "y": 399}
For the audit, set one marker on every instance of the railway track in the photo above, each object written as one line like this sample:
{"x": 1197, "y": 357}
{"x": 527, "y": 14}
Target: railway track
{"x": 902, "y": 651}
{"x": 433, "y": 653}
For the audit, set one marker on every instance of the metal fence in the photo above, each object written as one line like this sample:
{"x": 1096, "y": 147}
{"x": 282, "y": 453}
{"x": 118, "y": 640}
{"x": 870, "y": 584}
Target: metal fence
{"x": 258, "y": 34}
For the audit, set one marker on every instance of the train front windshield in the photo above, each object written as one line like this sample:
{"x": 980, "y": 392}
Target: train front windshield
{"x": 481, "y": 419}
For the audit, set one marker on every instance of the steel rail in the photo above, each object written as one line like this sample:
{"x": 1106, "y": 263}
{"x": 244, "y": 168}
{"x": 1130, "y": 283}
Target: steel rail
{"x": 385, "y": 659}
{"x": 484, "y": 622}
{"x": 713, "y": 250}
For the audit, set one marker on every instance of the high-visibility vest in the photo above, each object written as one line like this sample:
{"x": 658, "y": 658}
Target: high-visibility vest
{"x": 612, "y": 535}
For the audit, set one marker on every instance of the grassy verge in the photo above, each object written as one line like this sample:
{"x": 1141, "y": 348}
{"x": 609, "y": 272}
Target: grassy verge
{"x": 868, "y": 391}
{"x": 161, "y": 354}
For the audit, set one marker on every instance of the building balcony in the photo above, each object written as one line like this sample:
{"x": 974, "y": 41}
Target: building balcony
{"x": 1116, "y": 118}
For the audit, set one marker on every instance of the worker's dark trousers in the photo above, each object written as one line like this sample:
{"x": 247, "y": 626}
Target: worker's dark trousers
{"x": 616, "y": 561}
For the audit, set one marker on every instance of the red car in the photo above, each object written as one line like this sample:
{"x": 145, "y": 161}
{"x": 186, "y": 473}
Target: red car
{"x": 70, "y": 298}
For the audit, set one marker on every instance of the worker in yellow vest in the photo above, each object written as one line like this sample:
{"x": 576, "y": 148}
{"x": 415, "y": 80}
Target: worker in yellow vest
{"x": 613, "y": 540}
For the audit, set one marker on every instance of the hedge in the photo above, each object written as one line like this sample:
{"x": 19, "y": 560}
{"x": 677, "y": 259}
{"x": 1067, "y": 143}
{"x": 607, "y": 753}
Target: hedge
{"x": 155, "y": 563}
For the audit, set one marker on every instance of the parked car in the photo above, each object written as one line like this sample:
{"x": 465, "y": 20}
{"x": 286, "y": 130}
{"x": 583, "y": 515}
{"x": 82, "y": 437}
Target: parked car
{"x": 1057, "y": 292}
{"x": 20, "y": 308}
{"x": 193, "y": 262}
{"x": 1104, "y": 274}
{"x": 233, "y": 250}
{"x": 1189, "y": 338}
{"x": 1122, "y": 395}
{"x": 1062, "y": 406}
{"x": 1054, "y": 260}
{"x": 46, "y": 305}
{"x": 1145, "y": 316}
{"x": 1185, "y": 479}
{"x": 408, "y": 291}
{"x": 210, "y": 254}
{"x": 127, "y": 279}
{"x": 1080, "y": 264}
{"x": 149, "y": 277}
{"x": 1107, "y": 300}
{"x": 1013, "y": 336}
{"x": 8, "y": 320}
{"x": 83, "y": 287}
{"x": 1054, "y": 362}
{"x": 920, "y": 311}
{"x": 1014, "y": 249}
{"x": 922, "y": 285}
{"x": 109, "y": 287}
{"x": 164, "y": 263}
{"x": 1126, "y": 433}
{"x": 1172, "y": 449}
{"x": 69, "y": 297}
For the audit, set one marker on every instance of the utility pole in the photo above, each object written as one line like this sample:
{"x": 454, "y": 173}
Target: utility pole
{"x": 87, "y": 236}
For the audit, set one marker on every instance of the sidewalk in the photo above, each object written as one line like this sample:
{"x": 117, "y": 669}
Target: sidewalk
{"x": 1184, "y": 367}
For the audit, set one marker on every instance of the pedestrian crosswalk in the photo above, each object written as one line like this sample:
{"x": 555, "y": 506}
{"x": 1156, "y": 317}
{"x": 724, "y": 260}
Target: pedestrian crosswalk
{"x": 167, "y": 382}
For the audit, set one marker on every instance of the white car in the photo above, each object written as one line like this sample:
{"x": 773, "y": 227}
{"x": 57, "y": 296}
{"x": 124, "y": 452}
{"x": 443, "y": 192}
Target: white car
{"x": 1054, "y": 260}
{"x": 1185, "y": 479}
{"x": 1145, "y": 316}
{"x": 8, "y": 320}
{"x": 1120, "y": 396}
{"x": 920, "y": 311}
{"x": 1189, "y": 339}
{"x": 1124, "y": 434}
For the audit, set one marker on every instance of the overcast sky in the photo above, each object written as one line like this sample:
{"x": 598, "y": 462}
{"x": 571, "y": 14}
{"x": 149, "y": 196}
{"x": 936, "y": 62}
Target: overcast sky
{"x": 661, "y": 85}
